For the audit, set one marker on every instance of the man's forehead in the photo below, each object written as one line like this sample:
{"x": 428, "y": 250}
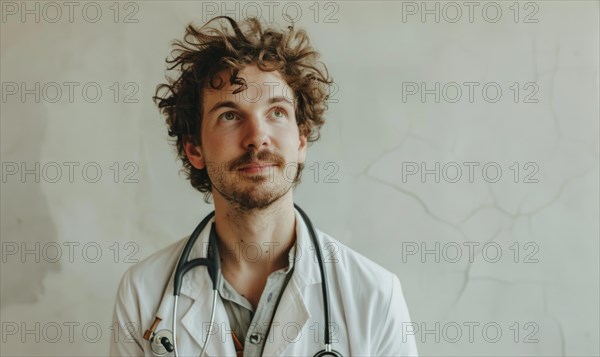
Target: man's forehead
{"x": 260, "y": 86}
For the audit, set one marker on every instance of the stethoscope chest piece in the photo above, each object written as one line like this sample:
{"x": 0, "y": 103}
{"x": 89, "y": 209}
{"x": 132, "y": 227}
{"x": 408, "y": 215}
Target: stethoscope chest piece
{"x": 161, "y": 343}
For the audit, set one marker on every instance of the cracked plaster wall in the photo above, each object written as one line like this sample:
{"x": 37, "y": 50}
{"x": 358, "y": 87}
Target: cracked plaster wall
{"x": 542, "y": 292}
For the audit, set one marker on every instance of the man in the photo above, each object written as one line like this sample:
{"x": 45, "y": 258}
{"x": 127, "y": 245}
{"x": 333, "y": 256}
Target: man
{"x": 242, "y": 113}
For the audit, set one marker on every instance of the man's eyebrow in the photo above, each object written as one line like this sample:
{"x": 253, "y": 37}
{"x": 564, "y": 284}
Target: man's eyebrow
{"x": 280, "y": 99}
{"x": 231, "y": 104}
{"x": 224, "y": 104}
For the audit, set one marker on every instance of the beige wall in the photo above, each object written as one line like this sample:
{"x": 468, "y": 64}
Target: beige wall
{"x": 377, "y": 53}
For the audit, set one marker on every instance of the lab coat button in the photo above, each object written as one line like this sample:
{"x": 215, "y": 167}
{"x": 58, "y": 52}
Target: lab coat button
{"x": 255, "y": 338}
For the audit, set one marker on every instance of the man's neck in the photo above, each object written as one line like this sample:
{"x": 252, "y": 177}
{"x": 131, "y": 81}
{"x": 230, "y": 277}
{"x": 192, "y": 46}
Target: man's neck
{"x": 255, "y": 241}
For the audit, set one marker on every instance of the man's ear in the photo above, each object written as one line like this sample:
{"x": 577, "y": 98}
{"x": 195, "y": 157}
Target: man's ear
{"x": 194, "y": 154}
{"x": 302, "y": 148}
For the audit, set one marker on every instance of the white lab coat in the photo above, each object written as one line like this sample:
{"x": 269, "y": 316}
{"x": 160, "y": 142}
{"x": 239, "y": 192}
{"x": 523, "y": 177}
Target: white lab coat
{"x": 368, "y": 310}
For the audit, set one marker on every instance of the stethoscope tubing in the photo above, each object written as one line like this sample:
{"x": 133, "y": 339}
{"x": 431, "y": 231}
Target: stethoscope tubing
{"x": 174, "y": 326}
{"x": 324, "y": 289}
{"x": 213, "y": 266}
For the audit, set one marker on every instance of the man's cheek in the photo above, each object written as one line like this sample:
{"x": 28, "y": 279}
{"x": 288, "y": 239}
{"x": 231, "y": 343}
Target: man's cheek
{"x": 214, "y": 170}
{"x": 289, "y": 171}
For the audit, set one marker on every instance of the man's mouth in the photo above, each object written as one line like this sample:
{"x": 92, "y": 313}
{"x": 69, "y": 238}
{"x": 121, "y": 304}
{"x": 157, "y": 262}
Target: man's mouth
{"x": 257, "y": 167}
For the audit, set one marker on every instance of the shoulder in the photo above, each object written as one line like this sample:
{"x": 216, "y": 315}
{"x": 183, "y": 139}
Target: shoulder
{"x": 360, "y": 282}
{"x": 142, "y": 285}
{"x": 354, "y": 268}
{"x": 155, "y": 268}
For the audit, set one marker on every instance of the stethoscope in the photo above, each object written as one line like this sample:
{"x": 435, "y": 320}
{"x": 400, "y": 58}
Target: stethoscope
{"x": 165, "y": 341}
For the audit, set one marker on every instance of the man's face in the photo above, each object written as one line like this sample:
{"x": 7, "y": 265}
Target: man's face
{"x": 251, "y": 145}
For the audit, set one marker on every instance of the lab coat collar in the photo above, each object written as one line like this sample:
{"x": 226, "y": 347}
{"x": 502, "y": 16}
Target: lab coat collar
{"x": 197, "y": 285}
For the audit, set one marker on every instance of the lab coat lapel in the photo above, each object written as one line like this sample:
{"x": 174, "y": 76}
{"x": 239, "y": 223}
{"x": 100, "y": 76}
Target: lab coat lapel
{"x": 290, "y": 317}
{"x": 197, "y": 285}
{"x": 196, "y": 321}
{"x": 292, "y": 313}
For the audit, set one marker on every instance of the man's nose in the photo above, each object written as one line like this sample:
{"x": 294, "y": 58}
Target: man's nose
{"x": 256, "y": 133}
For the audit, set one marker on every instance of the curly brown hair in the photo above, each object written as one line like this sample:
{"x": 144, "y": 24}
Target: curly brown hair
{"x": 206, "y": 51}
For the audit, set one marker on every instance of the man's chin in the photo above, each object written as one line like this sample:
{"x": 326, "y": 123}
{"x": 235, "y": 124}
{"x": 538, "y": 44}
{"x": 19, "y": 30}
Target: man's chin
{"x": 255, "y": 198}
{"x": 253, "y": 203}
{"x": 253, "y": 192}
{"x": 255, "y": 179}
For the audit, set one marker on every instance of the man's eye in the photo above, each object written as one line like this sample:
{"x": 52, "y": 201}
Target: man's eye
{"x": 228, "y": 116}
{"x": 279, "y": 113}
